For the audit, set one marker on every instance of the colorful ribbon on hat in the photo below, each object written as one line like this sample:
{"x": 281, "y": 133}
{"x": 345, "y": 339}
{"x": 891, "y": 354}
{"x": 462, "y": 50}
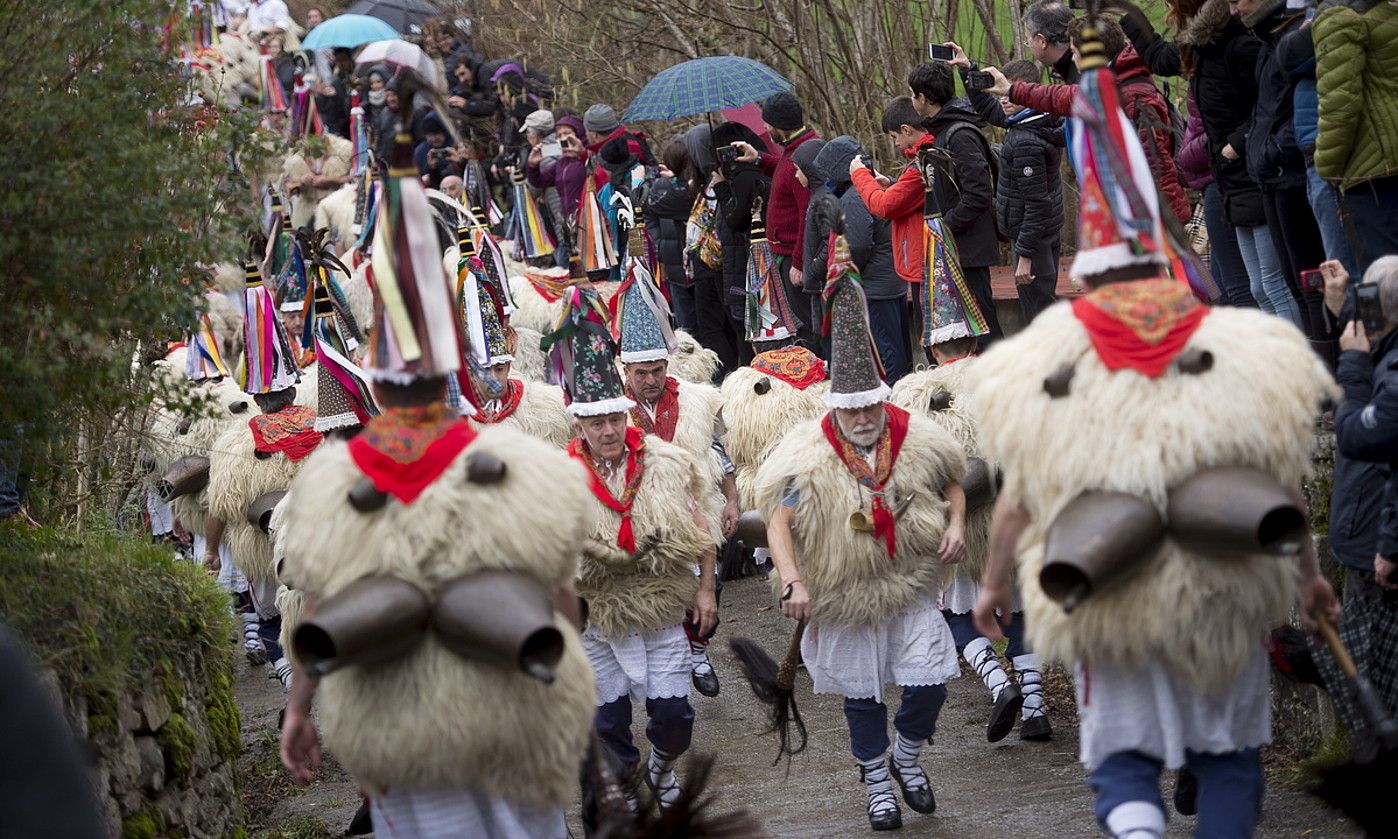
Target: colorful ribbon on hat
{"x": 594, "y": 231}
{"x": 527, "y": 224}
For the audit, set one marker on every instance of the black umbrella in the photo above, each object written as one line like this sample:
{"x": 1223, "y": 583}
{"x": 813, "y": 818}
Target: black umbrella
{"x": 406, "y": 16}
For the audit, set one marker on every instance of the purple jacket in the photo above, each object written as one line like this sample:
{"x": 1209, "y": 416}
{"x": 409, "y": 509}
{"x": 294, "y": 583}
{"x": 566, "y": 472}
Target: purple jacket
{"x": 1193, "y": 157}
{"x": 566, "y": 175}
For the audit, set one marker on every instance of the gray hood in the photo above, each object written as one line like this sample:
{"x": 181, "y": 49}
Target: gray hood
{"x": 700, "y": 147}
{"x": 833, "y": 160}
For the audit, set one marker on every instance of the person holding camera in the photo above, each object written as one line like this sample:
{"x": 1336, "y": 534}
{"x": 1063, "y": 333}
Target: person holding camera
{"x": 436, "y": 159}
{"x": 1363, "y": 505}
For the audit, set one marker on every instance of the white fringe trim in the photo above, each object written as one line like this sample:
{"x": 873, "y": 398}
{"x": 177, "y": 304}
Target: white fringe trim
{"x": 396, "y": 377}
{"x": 861, "y": 399}
{"x": 639, "y": 356}
{"x": 617, "y": 405}
{"x": 499, "y": 359}
{"x": 1100, "y": 260}
{"x": 291, "y": 306}
{"x": 951, "y": 332}
{"x": 324, "y": 423}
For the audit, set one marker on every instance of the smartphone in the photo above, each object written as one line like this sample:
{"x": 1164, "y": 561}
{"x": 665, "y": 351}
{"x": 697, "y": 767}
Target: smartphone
{"x": 940, "y": 52}
{"x": 1312, "y": 280}
{"x": 1364, "y": 298}
{"x": 551, "y": 148}
{"x": 979, "y": 80}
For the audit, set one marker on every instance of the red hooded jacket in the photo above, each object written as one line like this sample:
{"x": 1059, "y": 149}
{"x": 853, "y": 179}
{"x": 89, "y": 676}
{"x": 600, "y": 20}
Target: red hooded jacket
{"x": 900, "y": 203}
{"x": 1129, "y": 68}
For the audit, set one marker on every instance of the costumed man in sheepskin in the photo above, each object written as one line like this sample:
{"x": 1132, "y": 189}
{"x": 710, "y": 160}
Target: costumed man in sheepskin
{"x": 251, "y": 466}
{"x": 952, "y": 323}
{"x": 437, "y": 564}
{"x": 496, "y": 397}
{"x": 683, "y": 413}
{"x": 865, "y": 519}
{"x": 637, "y": 571}
{"x": 1153, "y": 450}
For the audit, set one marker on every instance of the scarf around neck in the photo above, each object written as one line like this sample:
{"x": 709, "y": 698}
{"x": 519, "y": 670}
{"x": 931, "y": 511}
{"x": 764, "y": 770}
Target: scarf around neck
{"x": 403, "y": 450}
{"x": 886, "y": 450}
{"x": 667, "y": 412}
{"x": 635, "y": 468}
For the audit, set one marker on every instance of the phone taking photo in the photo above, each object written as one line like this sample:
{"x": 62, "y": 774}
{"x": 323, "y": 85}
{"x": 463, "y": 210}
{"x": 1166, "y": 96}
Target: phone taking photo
{"x": 1364, "y": 299}
{"x": 940, "y": 52}
{"x": 551, "y": 149}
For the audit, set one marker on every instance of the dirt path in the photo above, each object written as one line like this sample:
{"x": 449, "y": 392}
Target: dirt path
{"x": 1011, "y": 789}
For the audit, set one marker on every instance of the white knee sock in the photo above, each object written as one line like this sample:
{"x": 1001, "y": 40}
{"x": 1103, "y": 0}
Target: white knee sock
{"x": 1031, "y": 683}
{"x": 878, "y": 784}
{"x": 986, "y": 663}
{"x": 905, "y": 754}
{"x": 660, "y": 769}
{"x": 1136, "y": 820}
{"x": 282, "y": 668}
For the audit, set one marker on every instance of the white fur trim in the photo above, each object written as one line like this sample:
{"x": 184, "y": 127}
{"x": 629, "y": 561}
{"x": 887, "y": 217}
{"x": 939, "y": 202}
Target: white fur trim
{"x": 618, "y": 405}
{"x": 860, "y": 399}
{"x": 396, "y": 377}
{"x": 1117, "y": 255}
{"x": 291, "y": 305}
{"x": 950, "y": 332}
{"x": 640, "y": 356}
{"x": 500, "y": 359}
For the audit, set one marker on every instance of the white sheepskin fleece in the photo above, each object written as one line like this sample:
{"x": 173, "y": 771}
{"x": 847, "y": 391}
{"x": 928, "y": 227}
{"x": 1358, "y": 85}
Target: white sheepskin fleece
{"x": 169, "y": 445}
{"x": 648, "y": 589}
{"x": 228, "y": 278}
{"x": 849, "y": 574}
{"x": 692, "y": 361}
{"x": 237, "y": 477}
{"x": 913, "y": 393}
{"x": 1124, "y": 432}
{"x": 541, "y": 415}
{"x": 361, "y": 301}
{"x": 755, "y": 422}
{"x": 335, "y": 164}
{"x": 513, "y": 736}
{"x": 694, "y": 432}
{"x": 530, "y": 364}
{"x": 336, "y": 211}
{"x": 532, "y": 311}
{"x": 308, "y": 389}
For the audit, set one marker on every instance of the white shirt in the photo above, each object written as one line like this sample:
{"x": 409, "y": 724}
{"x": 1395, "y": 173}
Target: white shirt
{"x": 264, "y": 15}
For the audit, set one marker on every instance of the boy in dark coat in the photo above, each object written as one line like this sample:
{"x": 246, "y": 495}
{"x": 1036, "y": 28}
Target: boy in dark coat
{"x": 1029, "y": 196}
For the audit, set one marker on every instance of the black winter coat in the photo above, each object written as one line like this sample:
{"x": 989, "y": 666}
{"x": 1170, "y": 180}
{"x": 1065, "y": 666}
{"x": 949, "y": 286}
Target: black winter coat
{"x": 668, "y": 204}
{"x": 870, "y": 239}
{"x": 1029, "y": 196}
{"x": 967, "y": 198}
{"x": 1224, "y": 85}
{"x": 1366, "y": 431}
{"x": 736, "y": 196}
{"x": 1273, "y": 156}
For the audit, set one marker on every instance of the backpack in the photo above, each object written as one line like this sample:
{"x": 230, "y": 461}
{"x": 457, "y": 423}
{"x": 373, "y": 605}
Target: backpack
{"x": 992, "y": 159}
{"x": 1147, "y": 119}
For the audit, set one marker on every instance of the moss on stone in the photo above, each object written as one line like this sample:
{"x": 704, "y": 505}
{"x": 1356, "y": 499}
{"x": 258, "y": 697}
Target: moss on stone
{"x": 139, "y": 826}
{"x": 177, "y": 741}
{"x": 101, "y": 725}
{"x": 225, "y": 724}
{"x": 171, "y": 685}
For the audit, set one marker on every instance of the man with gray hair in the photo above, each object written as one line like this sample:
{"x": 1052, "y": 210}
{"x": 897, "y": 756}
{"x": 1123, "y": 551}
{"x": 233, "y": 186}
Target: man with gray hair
{"x": 1047, "y": 21}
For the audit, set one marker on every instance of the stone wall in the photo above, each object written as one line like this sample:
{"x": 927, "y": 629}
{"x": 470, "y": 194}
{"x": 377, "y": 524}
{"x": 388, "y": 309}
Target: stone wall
{"x": 138, "y": 648}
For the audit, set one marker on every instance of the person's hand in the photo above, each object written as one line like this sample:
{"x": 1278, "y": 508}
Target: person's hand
{"x": 992, "y": 599}
{"x": 457, "y": 102}
{"x": 1354, "y": 337}
{"x": 212, "y": 563}
{"x": 958, "y": 56}
{"x": 536, "y": 156}
{"x": 883, "y": 180}
{"x": 1383, "y": 571}
{"x": 300, "y": 745}
{"x": 1317, "y": 598}
{"x": 855, "y": 164}
{"x": 793, "y": 276}
{"x": 704, "y": 610}
{"x": 1336, "y": 282}
{"x": 665, "y": 171}
{"x": 796, "y": 601}
{"x": 571, "y": 147}
{"x": 1228, "y": 152}
{"x": 1002, "y": 84}
{"x": 1024, "y": 271}
{"x": 953, "y": 546}
{"x": 746, "y": 153}
{"x": 181, "y": 535}
{"x": 717, "y": 177}
{"x": 730, "y": 517}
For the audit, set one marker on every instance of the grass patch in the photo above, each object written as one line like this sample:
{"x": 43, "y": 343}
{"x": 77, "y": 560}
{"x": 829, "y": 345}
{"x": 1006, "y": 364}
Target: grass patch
{"x": 298, "y": 827}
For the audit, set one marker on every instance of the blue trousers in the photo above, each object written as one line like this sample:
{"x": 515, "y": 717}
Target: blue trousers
{"x": 891, "y": 337}
{"x": 669, "y": 728}
{"x": 963, "y": 632}
{"x": 682, "y": 301}
{"x": 1373, "y": 220}
{"x": 1230, "y": 789}
{"x": 1325, "y": 204}
{"x": 1225, "y": 261}
{"x": 916, "y": 719}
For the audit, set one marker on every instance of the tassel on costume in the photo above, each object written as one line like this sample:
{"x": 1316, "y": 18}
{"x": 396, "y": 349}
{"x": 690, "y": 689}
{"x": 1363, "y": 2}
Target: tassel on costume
{"x": 767, "y": 315}
{"x": 594, "y": 233}
{"x": 527, "y": 223}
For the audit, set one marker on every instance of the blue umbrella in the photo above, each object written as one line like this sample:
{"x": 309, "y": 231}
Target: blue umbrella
{"x": 705, "y": 84}
{"x": 348, "y": 31}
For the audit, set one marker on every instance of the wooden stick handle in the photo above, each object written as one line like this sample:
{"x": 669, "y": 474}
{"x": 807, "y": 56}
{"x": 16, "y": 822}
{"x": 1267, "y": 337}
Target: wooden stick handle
{"x": 1337, "y": 647}
{"x": 786, "y": 672}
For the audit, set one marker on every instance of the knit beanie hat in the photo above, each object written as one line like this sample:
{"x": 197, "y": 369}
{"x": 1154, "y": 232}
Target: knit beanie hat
{"x": 600, "y": 118}
{"x": 783, "y": 112}
{"x": 571, "y": 122}
{"x": 540, "y": 121}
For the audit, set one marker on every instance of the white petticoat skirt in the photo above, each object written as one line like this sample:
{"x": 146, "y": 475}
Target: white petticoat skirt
{"x": 910, "y": 649}
{"x": 960, "y": 597}
{"x": 646, "y": 665}
{"x": 429, "y": 814}
{"x": 1148, "y": 709}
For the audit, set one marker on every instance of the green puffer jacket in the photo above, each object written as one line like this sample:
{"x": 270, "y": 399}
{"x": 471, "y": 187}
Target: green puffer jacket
{"x": 1356, "y": 45}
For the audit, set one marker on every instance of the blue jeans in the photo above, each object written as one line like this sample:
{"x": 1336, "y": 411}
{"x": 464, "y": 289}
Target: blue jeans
{"x": 1325, "y": 204}
{"x": 1230, "y": 789}
{"x": 682, "y": 304}
{"x": 1225, "y": 262}
{"x": 916, "y": 719}
{"x": 1265, "y": 272}
{"x": 669, "y": 728}
{"x": 1372, "y": 210}
{"x": 890, "y": 337}
{"x": 963, "y": 632}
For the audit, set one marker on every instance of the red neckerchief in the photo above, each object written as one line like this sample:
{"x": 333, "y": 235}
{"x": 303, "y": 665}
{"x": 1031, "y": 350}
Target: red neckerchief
{"x": 1141, "y": 324}
{"x": 667, "y": 412}
{"x": 797, "y": 366}
{"x": 887, "y": 448}
{"x": 635, "y": 467}
{"x": 514, "y": 392}
{"x": 403, "y": 450}
{"x": 290, "y": 431}
{"x": 923, "y": 142}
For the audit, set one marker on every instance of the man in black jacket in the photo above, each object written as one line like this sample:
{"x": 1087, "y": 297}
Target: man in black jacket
{"x": 1362, "y": 536}
{"x": 966, "y": 197}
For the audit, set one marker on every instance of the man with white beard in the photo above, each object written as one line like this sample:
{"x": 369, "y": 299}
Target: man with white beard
{"x": 865, "y": 523}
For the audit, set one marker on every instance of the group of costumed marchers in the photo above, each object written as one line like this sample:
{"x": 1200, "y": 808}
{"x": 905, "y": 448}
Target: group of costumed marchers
{"x": 478, "y": 521}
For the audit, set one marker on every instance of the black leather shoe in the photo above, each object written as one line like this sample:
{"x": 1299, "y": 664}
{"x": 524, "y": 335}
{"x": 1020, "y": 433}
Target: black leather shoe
{"x": 1036, "y": 728}
{"x": 886, "y": 819}
{"x": 921, "y": 800}
{"x": 1186, "y": 793}
{"x": 362, "y": 824}
{"x": 1003, "y": 713}
{"x": 707, "y": 683}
